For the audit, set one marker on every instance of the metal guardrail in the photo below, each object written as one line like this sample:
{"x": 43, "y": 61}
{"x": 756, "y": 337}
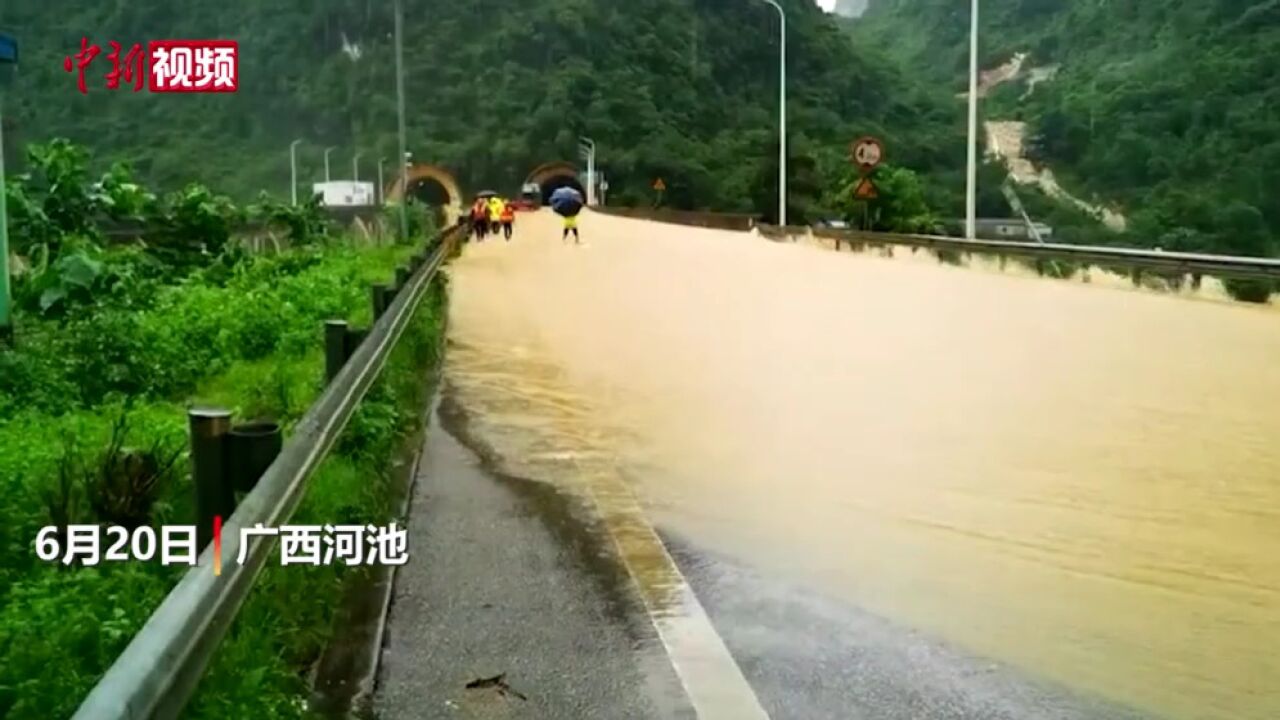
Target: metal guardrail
{"x": 1222, "y": 266}
{"x": 1156, "y": 260}
{"x": 693, "y": 218}
{"x": 159, "y": 670}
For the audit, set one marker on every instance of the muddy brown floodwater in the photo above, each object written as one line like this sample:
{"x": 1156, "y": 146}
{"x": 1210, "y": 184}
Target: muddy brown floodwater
{"x": 1079, "y": 480}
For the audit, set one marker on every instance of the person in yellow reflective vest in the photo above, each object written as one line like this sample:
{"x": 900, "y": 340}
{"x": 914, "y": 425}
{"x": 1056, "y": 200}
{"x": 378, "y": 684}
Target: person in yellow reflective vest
{"x": 571, "y": 226}
{"x": 495, "y": 214}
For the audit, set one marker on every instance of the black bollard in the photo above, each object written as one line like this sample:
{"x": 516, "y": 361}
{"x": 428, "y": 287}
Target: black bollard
{"x": 381, "y": 299}
{"x": 251, "y": 448}
{"x": 355, "y": 336}
{"x": 335, "y": 352}
{"x": 214, "y": 497}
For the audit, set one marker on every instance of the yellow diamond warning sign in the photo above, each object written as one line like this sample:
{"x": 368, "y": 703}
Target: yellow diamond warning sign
{"x": 659, "y": 185}
{"x": 865, "y": 190}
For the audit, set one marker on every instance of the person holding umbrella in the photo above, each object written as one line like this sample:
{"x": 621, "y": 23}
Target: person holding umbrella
{"x": 567, "y": 203}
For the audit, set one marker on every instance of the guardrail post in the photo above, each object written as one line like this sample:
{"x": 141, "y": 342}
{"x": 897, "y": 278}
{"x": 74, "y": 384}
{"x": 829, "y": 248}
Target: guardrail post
{"x": 355, "y": 336}
{"x": 335, "y": 351}
{"x": 209, "y": 428}
{"x": 381, "y": 299}
{"x": 155, "y": 675}
{"x": 251, "y": 448}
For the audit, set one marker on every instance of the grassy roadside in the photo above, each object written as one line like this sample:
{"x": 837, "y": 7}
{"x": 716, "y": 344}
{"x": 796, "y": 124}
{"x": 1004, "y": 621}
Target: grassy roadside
{"x": 261, "y": 669}
{"x": 252, "y": 343}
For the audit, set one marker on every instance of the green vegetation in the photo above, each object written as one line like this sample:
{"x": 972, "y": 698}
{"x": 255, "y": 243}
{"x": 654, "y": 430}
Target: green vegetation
{"x": 114, "y": 341}
{"x": 1161, "y": 108}
{"x": 900, "y": 206}
{"x": 1165, "y": 108}
{"x": 682, "y": 90}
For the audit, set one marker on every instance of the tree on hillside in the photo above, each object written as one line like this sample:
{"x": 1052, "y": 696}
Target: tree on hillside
{"x": 899, "y": 206}
{"x": 679, "y": 87}
{"x": 1156, "y": 103}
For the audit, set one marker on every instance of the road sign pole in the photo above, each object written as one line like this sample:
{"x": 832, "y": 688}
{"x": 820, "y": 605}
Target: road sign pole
{"x": 867, "y": 153}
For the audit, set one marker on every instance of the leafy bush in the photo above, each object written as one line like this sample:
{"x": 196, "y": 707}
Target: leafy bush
{"x": 63, "y": 224}
{"x": 61, "y": 627}
{"x": 307, "y": 223}
{"x": 115, "y": 341}
{"x": 194, "y": 228}
{"x": 1252, "y": 290}
{"x": 899, "y": 207}
{"x": 184, "y": 333}
{"x": 421, "y": 221}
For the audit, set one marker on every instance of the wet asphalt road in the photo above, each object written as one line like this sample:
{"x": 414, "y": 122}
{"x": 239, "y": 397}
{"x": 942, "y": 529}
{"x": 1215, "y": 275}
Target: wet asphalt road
{"x": 809, "y": 657}
{"x": 510, "y": 578}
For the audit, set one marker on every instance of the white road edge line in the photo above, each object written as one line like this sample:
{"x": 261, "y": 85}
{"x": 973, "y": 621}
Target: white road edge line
{"x": 714, "y": 683}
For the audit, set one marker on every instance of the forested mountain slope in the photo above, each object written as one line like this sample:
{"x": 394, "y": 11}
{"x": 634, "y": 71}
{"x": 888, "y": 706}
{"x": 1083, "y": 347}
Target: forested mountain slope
{"x": 1169, "y": 108}
{"x": 682, "y": 89}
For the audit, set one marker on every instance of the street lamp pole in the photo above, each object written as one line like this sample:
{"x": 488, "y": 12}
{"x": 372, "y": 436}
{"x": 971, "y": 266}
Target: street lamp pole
{"x": 404, "y": 153}
{"x": 382, "y": 193}
{"x": 971, "y": 189}
{"x": 326, "y": 162}
{"x": 782, "y": 115}
{"x": 293, "y": 171}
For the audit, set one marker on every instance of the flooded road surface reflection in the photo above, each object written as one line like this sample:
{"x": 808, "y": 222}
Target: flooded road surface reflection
{"x": 1079, "y": 480}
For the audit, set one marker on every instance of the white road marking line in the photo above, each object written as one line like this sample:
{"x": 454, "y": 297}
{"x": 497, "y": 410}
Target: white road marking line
{"x": 711, "y": 677}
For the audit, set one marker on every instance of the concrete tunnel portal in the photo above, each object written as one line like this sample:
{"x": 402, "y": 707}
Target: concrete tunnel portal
{"x": 554, "y": 175}
{"x": 431, "y": 185}
{"x": 437, "y": 187}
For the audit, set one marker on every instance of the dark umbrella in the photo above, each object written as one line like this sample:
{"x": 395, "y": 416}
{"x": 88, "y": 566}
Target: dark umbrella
{"x": 567, "y": 209}
{"x": 565, "y": 193}
{"x": 486, "y": 194}
{"x": 566, "y": 201}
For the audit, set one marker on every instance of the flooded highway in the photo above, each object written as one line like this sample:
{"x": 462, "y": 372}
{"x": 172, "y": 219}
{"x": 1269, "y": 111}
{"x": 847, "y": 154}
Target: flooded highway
{"x": 1081, "y": 482}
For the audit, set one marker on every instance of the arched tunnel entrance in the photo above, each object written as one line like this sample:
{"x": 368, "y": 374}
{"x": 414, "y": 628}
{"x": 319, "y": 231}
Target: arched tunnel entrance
{"x": 555, "y": 175}
{"x": 433, "y": 186}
